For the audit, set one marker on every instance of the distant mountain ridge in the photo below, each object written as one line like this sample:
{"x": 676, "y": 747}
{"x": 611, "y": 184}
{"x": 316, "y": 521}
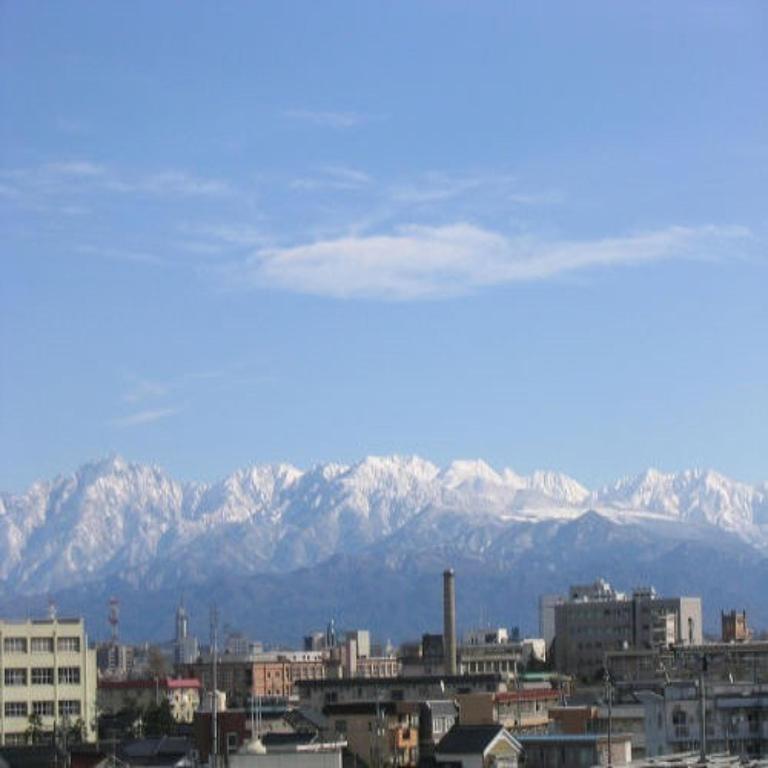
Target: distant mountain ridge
{"x": 113, "y": 520}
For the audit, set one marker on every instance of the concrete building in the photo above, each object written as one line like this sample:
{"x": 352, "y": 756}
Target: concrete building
{"x": 182, "y": 694}
{"x": 316, "y": 694}
{"x": 309, "y": 755}
{"x": 114, "y": 660}
{"x": 649, "y": 669}
{"x": 559, "y": 750}
{"x": 736, "y": 718}
{"x": 424, "y": 658}
{"x": 596, "y": 619}
{"x": 362, "y": 639}
{"x": 501, "y": 654}
{"x": 519, "y": 710}
{"x": 547, "y": 604}
{"x": 378, "y": 733}
{"x": 48, "y": 671}
{"x": 271, "y": 674}
{"x": 734, "y": 627}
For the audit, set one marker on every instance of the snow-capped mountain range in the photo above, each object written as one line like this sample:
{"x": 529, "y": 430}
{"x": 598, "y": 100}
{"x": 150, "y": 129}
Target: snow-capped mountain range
{"x": 113, "y": 518}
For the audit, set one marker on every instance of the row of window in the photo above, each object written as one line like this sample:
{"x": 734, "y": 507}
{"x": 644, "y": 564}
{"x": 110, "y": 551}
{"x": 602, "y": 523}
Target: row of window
{"x": 42, "y": 676}
{"x": 41, "y": 644}
{"x": 67, "y": 708}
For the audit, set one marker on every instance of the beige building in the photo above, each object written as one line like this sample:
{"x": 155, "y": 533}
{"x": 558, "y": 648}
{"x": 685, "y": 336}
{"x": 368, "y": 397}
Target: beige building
{"x": 48, "y": 672}
{"x": 383, "y": 733}
{"x": 523, "y": 709}
{"x": 183, "y": 696}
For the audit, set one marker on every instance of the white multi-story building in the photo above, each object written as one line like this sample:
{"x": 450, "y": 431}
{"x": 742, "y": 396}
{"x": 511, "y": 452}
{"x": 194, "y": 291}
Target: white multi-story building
{"x": 735, "y": 717}
{"x": 47, "y": 673}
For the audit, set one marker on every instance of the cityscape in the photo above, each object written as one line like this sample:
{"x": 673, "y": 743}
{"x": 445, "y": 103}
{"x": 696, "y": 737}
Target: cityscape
{"x": 383, "y": 384}
{"x": 611, "y": 678}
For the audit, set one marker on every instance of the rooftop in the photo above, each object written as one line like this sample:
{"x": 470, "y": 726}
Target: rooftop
{"x": 470, "y": 739}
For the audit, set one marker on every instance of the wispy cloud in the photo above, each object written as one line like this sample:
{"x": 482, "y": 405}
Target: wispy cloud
{"x": 435, "y": 262}
{"x": 78, "y": 177}
{"x": 437, "y": 187}
{"x": 148, "y": 416}
{"x": 121, "y": 254}
{"x": 328, "y": 118}
{"x": 333, "y": 177}
{"x": 145, "y": 389}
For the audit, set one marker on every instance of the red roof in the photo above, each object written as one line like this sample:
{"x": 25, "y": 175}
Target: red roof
{"x": 165, "y": 683}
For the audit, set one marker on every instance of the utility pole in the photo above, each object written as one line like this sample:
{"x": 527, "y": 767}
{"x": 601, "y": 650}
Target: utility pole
{"x": 703, "y": 700}
{"x": 609, "y": 696}
{"x": 214, "y": 758}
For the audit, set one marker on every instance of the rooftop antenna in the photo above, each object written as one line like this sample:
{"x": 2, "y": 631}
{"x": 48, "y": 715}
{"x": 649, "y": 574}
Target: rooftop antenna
{"x": 114, "y": 618}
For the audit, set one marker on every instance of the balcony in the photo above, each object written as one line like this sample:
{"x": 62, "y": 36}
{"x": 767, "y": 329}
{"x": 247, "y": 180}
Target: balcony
{"x": 405, "y": 738}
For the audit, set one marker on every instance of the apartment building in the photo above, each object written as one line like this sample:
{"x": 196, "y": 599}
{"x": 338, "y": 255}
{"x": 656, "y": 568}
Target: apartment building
{"x": 267, "y": 674}
{"x": 316, "y": 694}
{"x": 183, "y": 695}
{"x": 47, "y": 672}
{"x": 519, "y": 710}
{"x": 735, "y": 718}
{"x": 596, "y": 620}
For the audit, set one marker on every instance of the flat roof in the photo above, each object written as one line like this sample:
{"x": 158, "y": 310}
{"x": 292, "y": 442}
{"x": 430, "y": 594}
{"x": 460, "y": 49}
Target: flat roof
{"x": 354, "y": 682}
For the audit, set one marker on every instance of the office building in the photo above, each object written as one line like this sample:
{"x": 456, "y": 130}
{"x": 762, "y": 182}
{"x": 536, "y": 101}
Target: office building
{"x": 596, "y": 620}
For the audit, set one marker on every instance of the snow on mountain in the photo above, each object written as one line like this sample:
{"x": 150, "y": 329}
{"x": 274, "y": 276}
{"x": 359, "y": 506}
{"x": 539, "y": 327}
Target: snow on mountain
{"x": 112, "y": 517}
{"x": 692, "y": 496}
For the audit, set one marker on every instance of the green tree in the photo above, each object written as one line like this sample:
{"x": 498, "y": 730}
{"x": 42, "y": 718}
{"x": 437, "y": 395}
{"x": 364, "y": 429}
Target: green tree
{"x": 158, "y": 720}
{"x": 34, "y": 733}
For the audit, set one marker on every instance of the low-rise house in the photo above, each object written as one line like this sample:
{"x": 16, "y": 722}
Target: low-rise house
{"x": 478, "y": 746}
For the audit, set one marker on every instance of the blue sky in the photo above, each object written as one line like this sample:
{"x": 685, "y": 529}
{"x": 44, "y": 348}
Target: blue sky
{"x": 529, "y": 232}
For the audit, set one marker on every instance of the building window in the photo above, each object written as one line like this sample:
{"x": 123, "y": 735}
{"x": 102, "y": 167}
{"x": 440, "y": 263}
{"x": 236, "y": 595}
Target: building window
{"x": 41, "y": 645}
{"x": 43, "y": 708}
{"x": 68, "y": 644}
{"x": 69, "y": 707}
{"x": 233, "y": 742}
{"x": 42, "y": 675}
{"x": 15, "y": 739}
{"x": 69, "y": 675}
{"x": 15, "y": 645}
{"x": 15, "y": 676}
{"x": 15, "y": 708}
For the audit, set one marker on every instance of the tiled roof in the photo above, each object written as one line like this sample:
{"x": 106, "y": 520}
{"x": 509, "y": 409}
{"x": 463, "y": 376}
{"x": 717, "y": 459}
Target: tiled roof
{"x": 468, "y": 739}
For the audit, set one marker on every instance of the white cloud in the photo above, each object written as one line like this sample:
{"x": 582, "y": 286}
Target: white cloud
{"x": 148, "y": 416}
{"x": 333, "y": 177}
{"x": 328, "y": 119}
{"x": 434, "y": 262}
{"x": 146, "y": 390}
{"x": 65, "y": 179}
{"x": 437, "y": 187}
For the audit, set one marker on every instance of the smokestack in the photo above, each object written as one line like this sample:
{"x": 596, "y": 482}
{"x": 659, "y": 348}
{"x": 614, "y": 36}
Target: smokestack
{"x": 449, "y": 622}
